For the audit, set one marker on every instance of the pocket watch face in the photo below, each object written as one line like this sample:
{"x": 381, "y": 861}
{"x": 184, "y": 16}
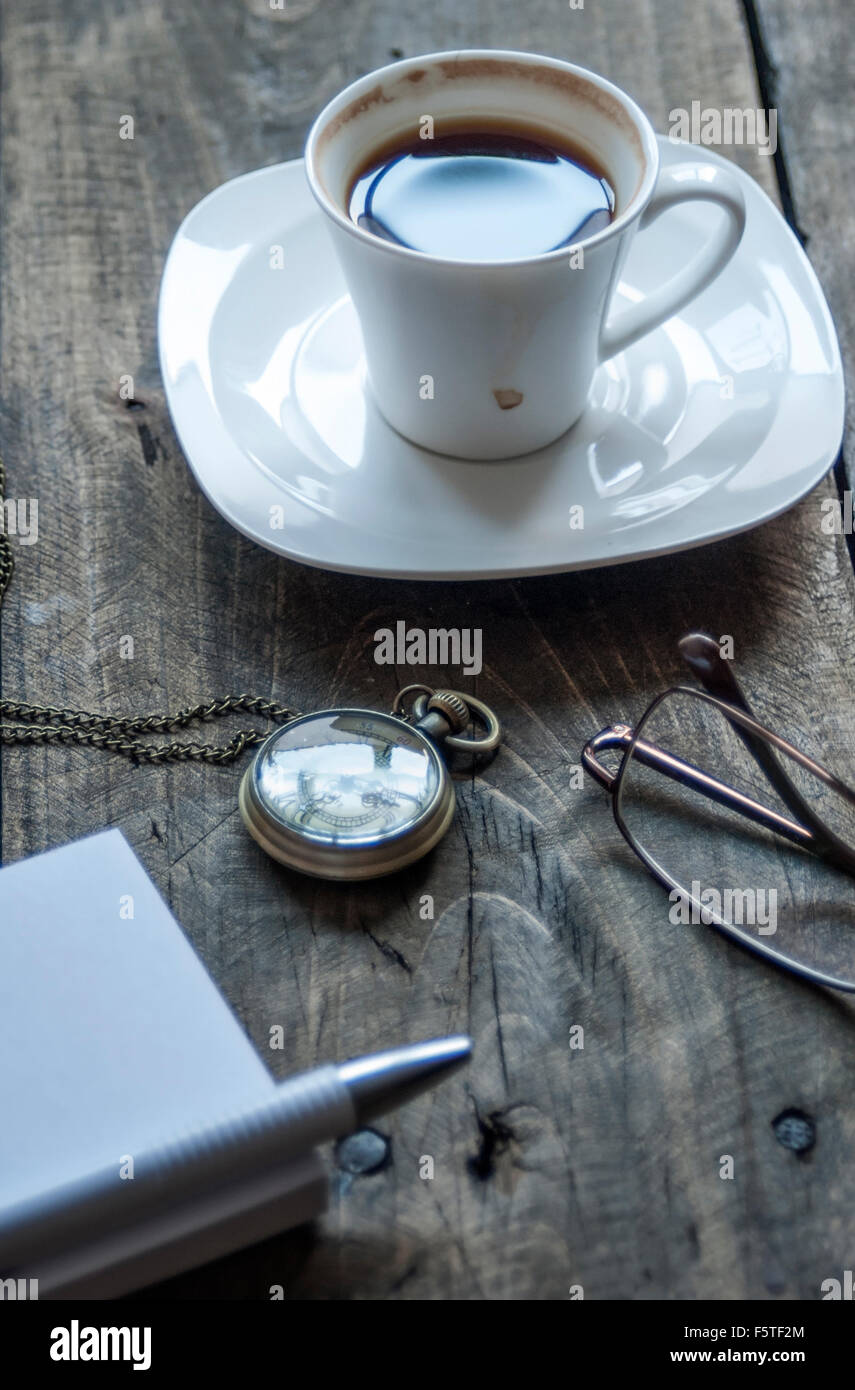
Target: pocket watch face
{"x": 348, "y": 777}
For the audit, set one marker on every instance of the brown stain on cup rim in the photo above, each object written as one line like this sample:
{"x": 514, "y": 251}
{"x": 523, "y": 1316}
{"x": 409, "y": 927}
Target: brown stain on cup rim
{"x": 462, "y": 69}
{"x": 569, "y": 83}
{"x": 375, "y": 97}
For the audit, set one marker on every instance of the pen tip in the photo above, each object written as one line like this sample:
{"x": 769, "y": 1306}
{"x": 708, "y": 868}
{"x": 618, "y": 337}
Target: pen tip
{"x": 385, "y": 1080}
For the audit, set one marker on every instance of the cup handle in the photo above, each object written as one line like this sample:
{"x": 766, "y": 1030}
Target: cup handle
{"x": 681, "y": 183}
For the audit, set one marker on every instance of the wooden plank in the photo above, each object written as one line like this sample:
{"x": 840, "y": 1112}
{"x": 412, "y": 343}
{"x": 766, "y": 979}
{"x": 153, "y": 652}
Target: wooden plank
{"x": 553, "y": 1168}
{"x": 805, "y": 60}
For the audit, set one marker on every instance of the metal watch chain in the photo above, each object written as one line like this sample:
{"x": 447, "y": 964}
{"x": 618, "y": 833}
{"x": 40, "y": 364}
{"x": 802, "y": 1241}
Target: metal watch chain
{"x": 52, "y": 724}
{"x": 36, "y": 724}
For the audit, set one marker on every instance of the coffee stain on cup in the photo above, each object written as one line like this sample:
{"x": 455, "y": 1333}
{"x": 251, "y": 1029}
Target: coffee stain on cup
{"x": 508, "y": 399}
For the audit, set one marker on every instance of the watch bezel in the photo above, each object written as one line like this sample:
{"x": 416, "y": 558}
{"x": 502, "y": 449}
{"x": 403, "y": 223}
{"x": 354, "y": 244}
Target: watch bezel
{"x": 370, "y": 857}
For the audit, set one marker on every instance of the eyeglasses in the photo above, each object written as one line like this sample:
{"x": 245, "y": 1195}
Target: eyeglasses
{"x": 748, "y": 834}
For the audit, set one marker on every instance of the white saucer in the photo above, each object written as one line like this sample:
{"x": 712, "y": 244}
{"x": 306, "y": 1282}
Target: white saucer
{"x": 716, "y": 422}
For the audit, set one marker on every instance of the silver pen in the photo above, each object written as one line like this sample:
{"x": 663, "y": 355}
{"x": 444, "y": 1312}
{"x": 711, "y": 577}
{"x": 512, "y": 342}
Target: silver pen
{"x": 208, "y": 1192}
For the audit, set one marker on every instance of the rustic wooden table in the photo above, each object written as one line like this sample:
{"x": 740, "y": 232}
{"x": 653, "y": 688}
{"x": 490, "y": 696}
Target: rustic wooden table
{"x": 553, "y": 1167}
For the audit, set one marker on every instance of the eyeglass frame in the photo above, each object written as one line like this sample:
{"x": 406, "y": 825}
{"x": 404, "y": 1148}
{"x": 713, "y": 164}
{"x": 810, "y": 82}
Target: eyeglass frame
{"x": 702, "y": 653}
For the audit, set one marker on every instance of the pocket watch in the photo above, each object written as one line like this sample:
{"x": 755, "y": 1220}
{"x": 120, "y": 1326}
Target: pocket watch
{"x": 340, "y": 794}
{"x": 355, "y": 793}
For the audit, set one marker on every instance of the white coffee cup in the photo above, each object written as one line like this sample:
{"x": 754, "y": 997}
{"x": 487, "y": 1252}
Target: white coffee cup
{"x": 508, "y": 348}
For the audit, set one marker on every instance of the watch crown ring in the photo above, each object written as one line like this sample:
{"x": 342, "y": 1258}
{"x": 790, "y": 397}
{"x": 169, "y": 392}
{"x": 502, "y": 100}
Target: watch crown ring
{"x": 452, "y": 707}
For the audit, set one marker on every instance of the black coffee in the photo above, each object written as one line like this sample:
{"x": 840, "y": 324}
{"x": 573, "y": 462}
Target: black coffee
{"x": 481, "y": 195}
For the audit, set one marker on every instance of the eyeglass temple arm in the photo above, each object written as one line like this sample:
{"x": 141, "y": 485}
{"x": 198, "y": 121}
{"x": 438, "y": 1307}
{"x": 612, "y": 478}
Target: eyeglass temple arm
{"x": 620, "y": 736}
{"x": 703, "y": 656}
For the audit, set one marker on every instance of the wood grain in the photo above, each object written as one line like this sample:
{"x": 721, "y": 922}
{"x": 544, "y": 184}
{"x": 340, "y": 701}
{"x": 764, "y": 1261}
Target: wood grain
{"x": 553, "y": 1167}
{"x": 805, "y": 56}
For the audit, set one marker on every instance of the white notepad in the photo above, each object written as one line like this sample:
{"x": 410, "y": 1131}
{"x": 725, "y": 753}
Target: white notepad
{"x": 112, "y": 1034}
{"x": 113, "y": 1040}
